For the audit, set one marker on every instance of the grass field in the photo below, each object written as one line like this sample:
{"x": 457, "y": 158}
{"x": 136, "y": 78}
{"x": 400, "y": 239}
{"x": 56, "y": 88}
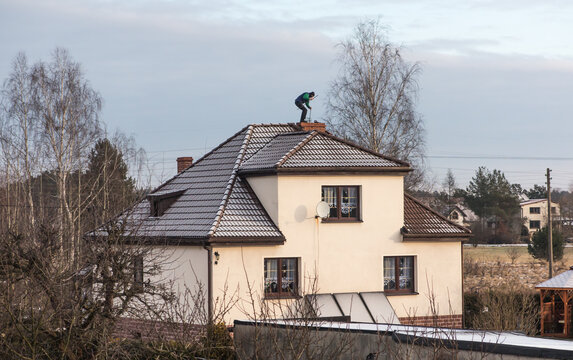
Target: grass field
{"x": 506, "y": 267}
{"x": 502, "y": 253}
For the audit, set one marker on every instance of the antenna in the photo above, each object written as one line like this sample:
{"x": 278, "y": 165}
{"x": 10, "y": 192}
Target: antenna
{"x": 322, "y": 210}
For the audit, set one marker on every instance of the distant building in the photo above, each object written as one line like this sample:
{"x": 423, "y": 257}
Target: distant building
{"x": 534, "y": 211}
{"x": 462, "y": 216}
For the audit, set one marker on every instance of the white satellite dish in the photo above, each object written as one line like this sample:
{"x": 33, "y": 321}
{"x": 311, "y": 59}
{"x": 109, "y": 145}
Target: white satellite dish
{"x": 322, "y": 209}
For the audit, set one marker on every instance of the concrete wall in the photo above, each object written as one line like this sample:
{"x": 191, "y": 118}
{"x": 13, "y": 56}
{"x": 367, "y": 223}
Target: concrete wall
{"x": 306, "y": 342}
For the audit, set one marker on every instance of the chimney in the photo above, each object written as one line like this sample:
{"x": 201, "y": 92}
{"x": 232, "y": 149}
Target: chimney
{"x": 183, "y": 163}
{"x": 308, "y": 126}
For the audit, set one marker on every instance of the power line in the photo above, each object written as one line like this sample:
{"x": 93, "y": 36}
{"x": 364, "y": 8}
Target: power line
{"x": 501, "y": 157}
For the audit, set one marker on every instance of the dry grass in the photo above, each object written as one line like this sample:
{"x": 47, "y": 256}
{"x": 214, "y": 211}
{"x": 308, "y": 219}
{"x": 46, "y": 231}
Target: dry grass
{"x": 503, "y": 267}
{"x": 501, "y": 254}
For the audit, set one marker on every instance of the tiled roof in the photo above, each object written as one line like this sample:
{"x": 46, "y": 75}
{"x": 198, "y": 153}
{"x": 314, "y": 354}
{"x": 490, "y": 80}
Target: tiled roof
{"x": 532, "y": 201}
{"x": 317, "y": 151}
{"x": 561, "y": 281}
{"x": 210, "y": 202}
{"x": 216, "y": 205}
{"x": 422, "y": 222}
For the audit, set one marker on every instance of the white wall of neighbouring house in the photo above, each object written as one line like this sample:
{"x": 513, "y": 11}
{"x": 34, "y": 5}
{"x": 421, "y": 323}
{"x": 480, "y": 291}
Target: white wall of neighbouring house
{"x": 186, "y": 268}
{"x": 341, "y": 257}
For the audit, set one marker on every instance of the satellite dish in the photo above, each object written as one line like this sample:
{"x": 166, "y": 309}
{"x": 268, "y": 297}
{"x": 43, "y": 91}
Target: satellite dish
{"x": 322, "y": 209}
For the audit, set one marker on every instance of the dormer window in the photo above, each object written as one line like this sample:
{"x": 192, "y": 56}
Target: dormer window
{"x": 160, "y": 201}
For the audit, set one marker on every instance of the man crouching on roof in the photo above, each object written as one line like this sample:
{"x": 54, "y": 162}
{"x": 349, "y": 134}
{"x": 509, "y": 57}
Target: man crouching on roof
{"x": 302, "y": 100}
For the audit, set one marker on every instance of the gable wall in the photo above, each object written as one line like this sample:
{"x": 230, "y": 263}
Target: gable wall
{"x": 348, "y": 257}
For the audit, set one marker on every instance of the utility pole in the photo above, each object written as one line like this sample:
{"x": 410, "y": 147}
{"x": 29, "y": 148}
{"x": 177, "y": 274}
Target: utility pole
{"x": 549, "y": 225}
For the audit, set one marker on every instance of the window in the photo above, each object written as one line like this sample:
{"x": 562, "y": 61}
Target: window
{"x": 553, "y": 210}
{"x": 399, "y": 274}
{"x": 534, "y": 224}
{"x": 344, "y": 202}
{"x": 281, "y": 277}
{"x": 454, "y": 216}
{"x": 138, "y": 273}
{"x": 535, "y": 210}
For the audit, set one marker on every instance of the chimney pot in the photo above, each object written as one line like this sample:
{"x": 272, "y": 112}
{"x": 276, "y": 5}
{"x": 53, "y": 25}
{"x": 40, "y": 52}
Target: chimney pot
{"x": 183, "y": 163}
{"x": 308, "y": 126}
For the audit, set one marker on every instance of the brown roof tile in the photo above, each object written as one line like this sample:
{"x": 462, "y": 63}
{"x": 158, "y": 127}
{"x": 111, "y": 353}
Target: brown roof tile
{"x": 422, "y": 222}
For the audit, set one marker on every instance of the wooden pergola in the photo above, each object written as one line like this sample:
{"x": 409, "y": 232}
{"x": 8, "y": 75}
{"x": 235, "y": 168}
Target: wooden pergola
{"x": 556, "y": 304}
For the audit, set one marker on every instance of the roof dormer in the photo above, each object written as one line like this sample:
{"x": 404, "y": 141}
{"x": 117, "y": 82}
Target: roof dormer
{"x": 160, "y": 201}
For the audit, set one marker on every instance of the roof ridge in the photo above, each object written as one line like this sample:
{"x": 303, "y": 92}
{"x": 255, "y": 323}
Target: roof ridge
{"x": 296, "y": 148}
{"x": 231, "y": 182}
{"x": 418, "y": 202}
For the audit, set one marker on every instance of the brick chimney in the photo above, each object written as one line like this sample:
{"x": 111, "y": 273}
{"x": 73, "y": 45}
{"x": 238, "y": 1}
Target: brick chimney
{"x": 308, "y": 126}
{"x": 183, "y": 163}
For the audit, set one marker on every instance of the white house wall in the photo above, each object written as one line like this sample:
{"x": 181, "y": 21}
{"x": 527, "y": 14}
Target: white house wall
{"x": 186, "y": 267}
{"x": 347, "y": 257}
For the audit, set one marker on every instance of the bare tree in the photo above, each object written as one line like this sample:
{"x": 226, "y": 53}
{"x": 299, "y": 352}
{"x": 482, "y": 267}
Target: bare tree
{"x": 50, "y": 122}
{"x": 449, "y": 186}
{"x": 19, "y": 142}
{"x": 372, "y": 100}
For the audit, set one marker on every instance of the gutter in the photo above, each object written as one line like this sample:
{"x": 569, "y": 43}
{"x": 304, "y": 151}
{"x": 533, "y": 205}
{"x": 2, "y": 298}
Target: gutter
{"x": 209, "y": 283}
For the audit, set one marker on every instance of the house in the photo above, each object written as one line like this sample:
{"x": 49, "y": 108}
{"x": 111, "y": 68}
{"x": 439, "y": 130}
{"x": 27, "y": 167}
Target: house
{"x": 462, "y": 216}
{"x": 283, "y": 212}
{"x": 534, "y": 211}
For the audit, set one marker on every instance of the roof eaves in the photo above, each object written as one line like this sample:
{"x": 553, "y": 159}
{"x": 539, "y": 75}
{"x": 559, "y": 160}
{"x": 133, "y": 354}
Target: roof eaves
{"x": 247, "y": 240}
{"x": 324, "y": 170}
{"x": 443, "y": 237}
{"x": 158, "y": 240}
{"x": 346, "y": 169}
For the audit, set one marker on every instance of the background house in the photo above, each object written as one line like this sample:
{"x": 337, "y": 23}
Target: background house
{"x": 462, "y": 216}
{"x": 242, "y": 222}
{"x": 534, "y": 211}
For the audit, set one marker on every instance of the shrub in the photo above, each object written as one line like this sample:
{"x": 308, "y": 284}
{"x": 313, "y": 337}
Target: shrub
{"x": 512, "y": 310}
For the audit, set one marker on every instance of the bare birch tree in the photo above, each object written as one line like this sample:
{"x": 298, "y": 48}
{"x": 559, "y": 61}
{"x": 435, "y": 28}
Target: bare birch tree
{"x": 449, "y": 186}
{"x": 19, "y": 142}
{"x": 372, "y": 101}
{"x": 50, "y": 122}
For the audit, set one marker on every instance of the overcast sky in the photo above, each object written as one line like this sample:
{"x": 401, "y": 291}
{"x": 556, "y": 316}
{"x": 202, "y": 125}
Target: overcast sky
{"x": 181, "y": 76}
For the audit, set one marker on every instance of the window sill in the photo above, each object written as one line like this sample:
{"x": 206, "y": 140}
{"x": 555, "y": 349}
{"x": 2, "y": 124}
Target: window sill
{"x": 338, "y": 221}
{"x": 281, "y": 297}
{"x": 398, "y": 293}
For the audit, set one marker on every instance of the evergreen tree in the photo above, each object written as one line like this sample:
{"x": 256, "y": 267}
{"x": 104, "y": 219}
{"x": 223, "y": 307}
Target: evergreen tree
{"x": 108, "y": 179}
{"x": 494, "y": 199}
{"x": 538, "y": 246}
{"x": 537, "y": 192}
